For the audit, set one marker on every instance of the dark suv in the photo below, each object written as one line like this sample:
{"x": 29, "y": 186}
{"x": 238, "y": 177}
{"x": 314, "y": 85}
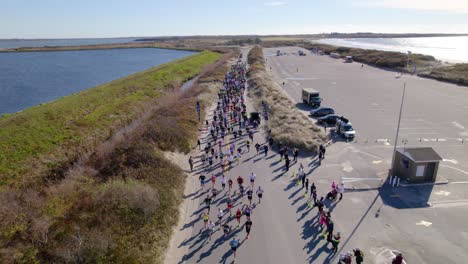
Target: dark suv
{"x": 322, "y": 111}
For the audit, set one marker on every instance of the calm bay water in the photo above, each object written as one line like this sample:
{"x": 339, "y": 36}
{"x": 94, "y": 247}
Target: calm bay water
{"x": 18, "y": 43}
{"x": 452, "y": 49}
{"x": 31, "y": 78}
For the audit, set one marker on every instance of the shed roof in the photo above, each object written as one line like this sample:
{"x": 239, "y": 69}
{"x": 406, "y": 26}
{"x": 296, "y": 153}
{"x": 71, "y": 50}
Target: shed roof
{"x": 420, "y": 154}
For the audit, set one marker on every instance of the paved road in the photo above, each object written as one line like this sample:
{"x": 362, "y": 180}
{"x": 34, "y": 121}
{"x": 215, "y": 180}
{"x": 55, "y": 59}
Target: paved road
{"x": 284, "y": 229}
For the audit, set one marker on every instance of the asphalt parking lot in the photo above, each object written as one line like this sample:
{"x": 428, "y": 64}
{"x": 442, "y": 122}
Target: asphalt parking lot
{"x": 425, "y": 222}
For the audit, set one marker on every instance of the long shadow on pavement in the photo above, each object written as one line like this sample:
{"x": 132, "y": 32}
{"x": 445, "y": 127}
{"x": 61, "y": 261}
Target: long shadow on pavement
{"x": 218, "y": 243}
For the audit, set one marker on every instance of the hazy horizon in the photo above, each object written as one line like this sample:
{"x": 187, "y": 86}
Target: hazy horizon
{"x": 55, "y": 19}
{"x": 240, "y": 35}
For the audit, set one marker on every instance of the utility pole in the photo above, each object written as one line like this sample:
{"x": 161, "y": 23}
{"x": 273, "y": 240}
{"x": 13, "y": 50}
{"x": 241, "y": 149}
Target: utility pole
{"x": 398, "y": 127}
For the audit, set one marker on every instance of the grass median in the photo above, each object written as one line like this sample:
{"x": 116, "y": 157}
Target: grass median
{"x": 119, "y": 204}
{"x": 288, "y": 125}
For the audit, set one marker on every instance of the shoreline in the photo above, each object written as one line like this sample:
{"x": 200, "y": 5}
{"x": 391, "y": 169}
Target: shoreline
{"x": 98, "y": 47}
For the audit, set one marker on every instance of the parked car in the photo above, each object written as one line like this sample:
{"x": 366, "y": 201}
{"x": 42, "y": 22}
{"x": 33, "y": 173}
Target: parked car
{"x": 328, "y": 119}
{"x": 345, "y": 128}
{"x": 322, "y": 111}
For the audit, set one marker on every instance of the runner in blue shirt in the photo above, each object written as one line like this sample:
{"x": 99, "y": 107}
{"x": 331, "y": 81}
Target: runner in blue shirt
{"x": 234, "y": 245}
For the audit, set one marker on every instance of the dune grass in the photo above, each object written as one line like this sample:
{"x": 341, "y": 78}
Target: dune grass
{"x": 54, "y": 134}
{"x": 288, "y": 125}
{"x": 457, "y": 73}
{"x": 119, "y": 204}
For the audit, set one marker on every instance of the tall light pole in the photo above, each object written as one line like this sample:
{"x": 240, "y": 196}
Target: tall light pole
{"x": 398, "y": 127}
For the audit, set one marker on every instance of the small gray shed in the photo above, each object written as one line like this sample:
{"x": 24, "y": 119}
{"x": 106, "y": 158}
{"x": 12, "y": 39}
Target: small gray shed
{"x": 416, "y": 165}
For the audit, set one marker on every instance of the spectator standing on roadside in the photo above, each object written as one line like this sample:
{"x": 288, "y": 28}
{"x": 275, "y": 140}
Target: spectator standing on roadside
{"x": 359, "y": 255}
{"x": 341, "y": 189}
{"x": 191, "y": 163}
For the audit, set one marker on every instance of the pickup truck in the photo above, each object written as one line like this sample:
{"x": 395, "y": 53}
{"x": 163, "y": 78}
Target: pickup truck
{"x": 345, "y": 128}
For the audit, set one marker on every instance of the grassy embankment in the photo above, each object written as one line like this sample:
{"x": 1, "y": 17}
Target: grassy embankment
{"x": 119, "y": 202}
{"x": 288, "y": 125}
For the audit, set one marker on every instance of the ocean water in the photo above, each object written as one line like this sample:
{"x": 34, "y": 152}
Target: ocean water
{"x": 451, "y": 49}
{"x": 31, "y": 78}
{"x": 18, "y": 43}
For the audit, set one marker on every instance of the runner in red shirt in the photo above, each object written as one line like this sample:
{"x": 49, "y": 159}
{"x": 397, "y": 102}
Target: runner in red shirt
{"x": 238, "y": 216}
{"x": 213, "y": 180}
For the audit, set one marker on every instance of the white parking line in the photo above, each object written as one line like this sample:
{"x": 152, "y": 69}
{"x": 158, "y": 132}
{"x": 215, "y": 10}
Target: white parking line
{"x": 458, "y": 125}
{"x": 452, "y": 203}
{"x": 453, "y": 168}
{"x": 423, "y": 223}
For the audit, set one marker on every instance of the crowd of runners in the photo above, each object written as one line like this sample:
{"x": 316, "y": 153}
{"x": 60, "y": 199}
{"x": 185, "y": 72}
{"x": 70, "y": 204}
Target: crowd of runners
{"x": 230, "y": 134}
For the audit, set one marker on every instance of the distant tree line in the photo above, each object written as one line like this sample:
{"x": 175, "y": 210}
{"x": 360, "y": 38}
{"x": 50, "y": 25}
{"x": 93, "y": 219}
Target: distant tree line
{"x": 249, "y": 41}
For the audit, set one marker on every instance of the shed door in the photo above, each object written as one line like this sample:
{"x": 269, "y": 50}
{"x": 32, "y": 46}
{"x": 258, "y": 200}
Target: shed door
{"x": 420, "y": 170}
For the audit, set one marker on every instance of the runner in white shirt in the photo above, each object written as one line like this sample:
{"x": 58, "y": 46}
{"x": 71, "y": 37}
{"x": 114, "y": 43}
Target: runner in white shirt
{"x": 223, "y": 182}
{"x": 259, "y": 194}
{"x": 252, "y": 178}
{"x": 220, "y": 215}
{"x": 211, "y": 227}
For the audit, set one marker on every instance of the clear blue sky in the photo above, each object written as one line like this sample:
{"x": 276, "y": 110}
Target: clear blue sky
{"x": 124, "y": 18}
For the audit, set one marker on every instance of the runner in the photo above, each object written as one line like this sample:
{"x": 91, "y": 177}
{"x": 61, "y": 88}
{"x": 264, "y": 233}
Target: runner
{"x": 250, "y": 195}
{"x": 234, "y": 245}
{"x": 213, "y": 180}
{"x": 248, "y": 226}
{"x": 247, "y": 143}
{"x": 260, "y": 194}
{"x": 230, "y": 185}
{"x": 202, "y": 181}
{"x": 257, "y": 147}
{"x": 205, "y": 218}
{"x": 208, "y": 200}
{"x": 240, "y": 181}
{"x": 265, "y": 149}
{"x": 238, "y": 216}
{"x": 220, "y": 215}
{"x": 229, "y": 205}
{"x": 211, "y": 227}
{"x": 223, "y": 182}
{"x": 248, "y": 212}
{"x": 214, "y": 192}
{"x": 226, "y": 229}
{"x": 252, "y": 178}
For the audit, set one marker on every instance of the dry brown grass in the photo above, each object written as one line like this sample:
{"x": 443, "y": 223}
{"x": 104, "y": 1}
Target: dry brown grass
{"x": 288, "y": 125}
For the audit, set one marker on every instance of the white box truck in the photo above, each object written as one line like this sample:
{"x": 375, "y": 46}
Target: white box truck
{"x": 311, "y": 97}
